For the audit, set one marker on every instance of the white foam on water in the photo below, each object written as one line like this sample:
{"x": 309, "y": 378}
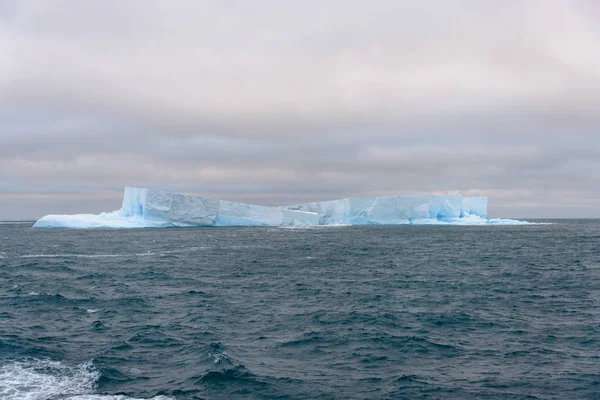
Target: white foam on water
{"x": 300, "y": 227}
{"x": 217, "y": 357}
{"x": 109, "y": 397}
{"x": 34, "y": 379}
{"x": 42, "y": 379}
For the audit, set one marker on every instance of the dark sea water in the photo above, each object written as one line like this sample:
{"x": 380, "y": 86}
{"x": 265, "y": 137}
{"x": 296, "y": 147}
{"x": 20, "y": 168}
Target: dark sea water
{"x": 324, "y": 313}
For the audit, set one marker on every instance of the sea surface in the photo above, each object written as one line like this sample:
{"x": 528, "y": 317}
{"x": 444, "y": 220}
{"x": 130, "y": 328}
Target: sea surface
{"x": 452, "y": 312}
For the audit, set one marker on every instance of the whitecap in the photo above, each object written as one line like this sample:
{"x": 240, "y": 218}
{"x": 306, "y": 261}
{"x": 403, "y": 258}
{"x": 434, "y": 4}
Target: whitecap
{"x": 42, "y": 379}
{"x": 112, "y": 397}
{"x": 148, "y": 253}
{"x": 34, "y": 379}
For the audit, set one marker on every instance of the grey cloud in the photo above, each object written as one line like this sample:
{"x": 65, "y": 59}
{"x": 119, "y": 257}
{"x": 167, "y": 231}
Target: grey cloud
{"x": 295, "y": 101}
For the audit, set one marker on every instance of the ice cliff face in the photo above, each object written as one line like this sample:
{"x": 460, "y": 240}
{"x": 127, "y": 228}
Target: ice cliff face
{"x": 396, "y": 210}
{"x": 154, "y": 208}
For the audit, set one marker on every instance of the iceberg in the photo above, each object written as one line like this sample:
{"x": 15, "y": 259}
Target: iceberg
{"x": 145, "y": 208}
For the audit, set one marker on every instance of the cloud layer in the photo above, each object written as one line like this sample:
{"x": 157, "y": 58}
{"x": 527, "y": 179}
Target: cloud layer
{"x": 276, "y": 103}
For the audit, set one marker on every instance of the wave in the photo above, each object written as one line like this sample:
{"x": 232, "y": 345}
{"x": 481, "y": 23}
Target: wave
{"x": 82, "y": 255}
{"x": 38, "y": 379}
{"x": 144, "y": 254}
{"x": 239, "y": 372}
{"x": 110, "y": 397}
{"x": 85, "y": 255}
{"x": 35, "y": 379}
{"x": 223, "y": 368}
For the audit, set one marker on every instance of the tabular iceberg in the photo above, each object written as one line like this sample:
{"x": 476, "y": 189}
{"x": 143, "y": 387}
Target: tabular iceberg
{"x": 153, "y": 208}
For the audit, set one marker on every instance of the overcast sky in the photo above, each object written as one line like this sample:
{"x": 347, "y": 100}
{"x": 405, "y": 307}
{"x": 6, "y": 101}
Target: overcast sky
{"x": 275, "y": 102}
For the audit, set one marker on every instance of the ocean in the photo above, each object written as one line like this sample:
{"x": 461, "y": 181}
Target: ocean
{"x": 452, "y": 312}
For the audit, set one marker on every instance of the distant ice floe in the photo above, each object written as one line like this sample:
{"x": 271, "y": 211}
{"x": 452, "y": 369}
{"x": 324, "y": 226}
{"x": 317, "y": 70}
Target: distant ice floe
{"x": 144, "y": 208}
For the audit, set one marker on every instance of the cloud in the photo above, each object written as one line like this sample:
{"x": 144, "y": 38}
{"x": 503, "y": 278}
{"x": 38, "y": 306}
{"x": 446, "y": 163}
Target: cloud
{"x": 284, "y": 102}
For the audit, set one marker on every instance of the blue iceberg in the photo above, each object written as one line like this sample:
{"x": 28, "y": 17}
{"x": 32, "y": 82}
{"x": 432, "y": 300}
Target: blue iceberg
{"x": 143, "y": 208}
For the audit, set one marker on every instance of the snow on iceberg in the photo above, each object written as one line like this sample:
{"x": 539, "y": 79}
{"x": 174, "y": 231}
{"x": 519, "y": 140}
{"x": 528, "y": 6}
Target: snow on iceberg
{"x": 153, "y": 208}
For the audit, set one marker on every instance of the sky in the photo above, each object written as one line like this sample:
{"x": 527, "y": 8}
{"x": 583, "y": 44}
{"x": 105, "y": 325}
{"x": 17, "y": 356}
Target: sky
{"x": 280, "y": 102}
